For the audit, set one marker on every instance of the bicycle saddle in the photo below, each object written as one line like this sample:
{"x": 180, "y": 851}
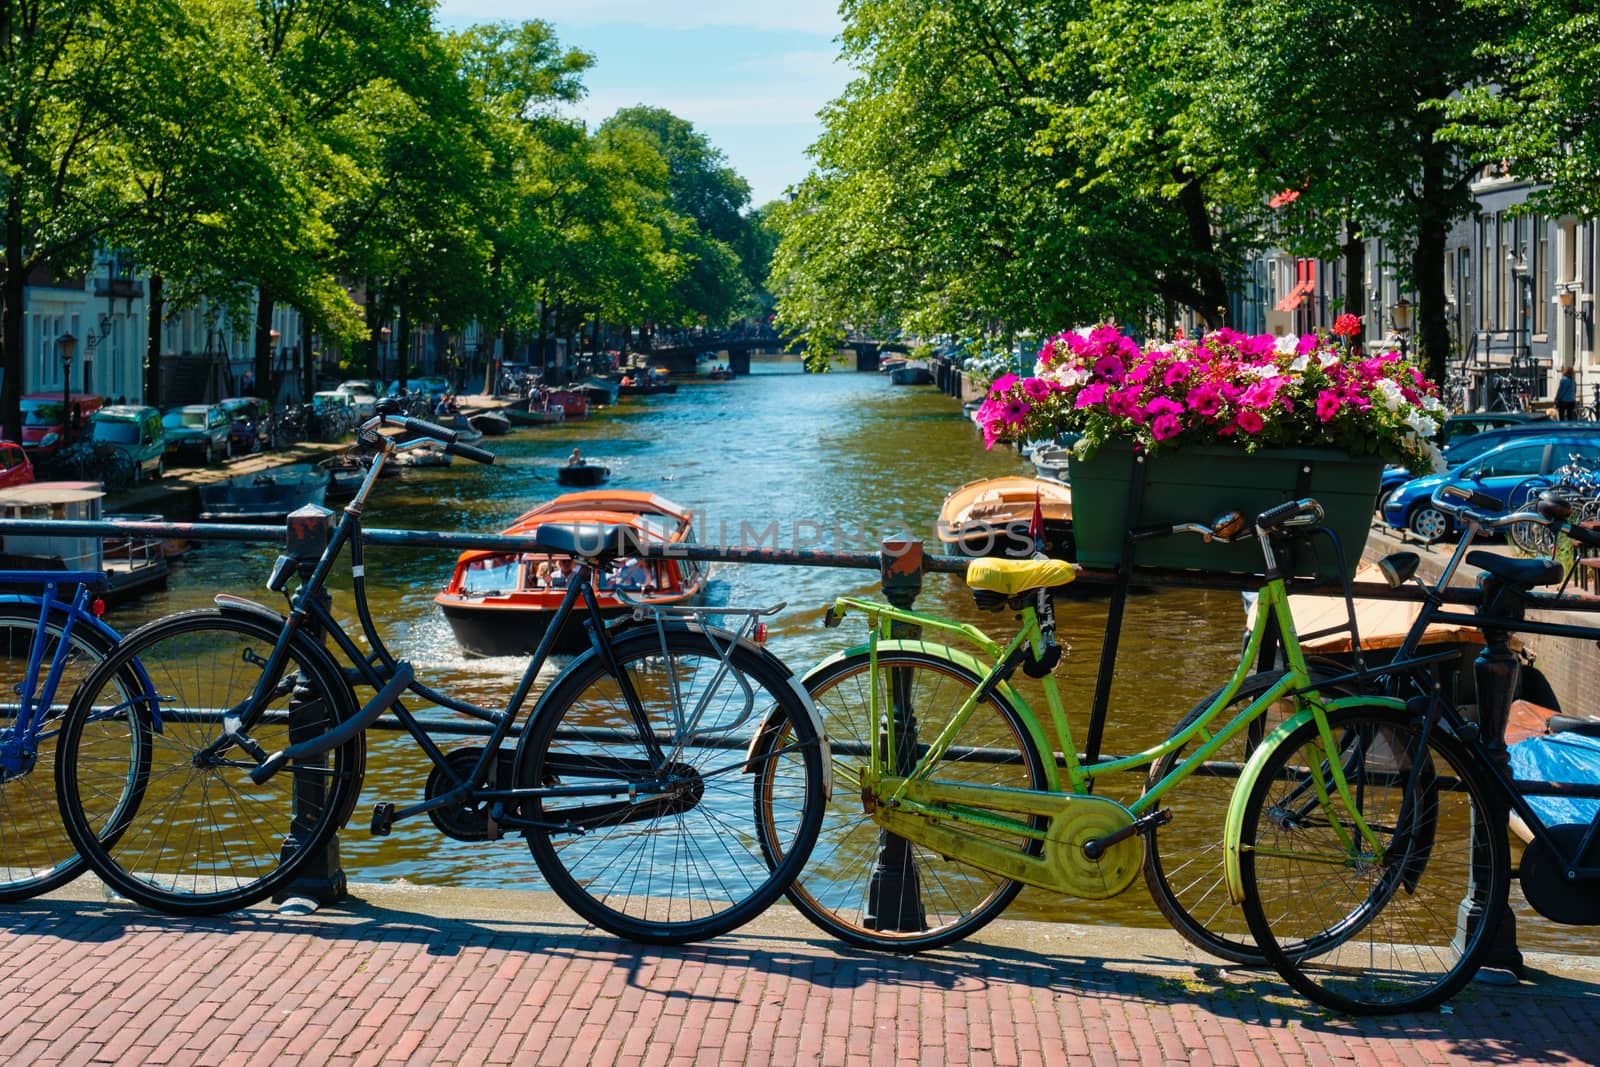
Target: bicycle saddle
{"x": 1524, "y": 572}
{"x": 1009, "y": 577}
{"x": 589, "y": 541}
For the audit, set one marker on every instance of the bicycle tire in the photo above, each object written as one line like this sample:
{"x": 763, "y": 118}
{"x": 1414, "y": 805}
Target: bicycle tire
{"x": 1364, "y": 937}
{"x": 203, "y": 839}
{"x": 953, "y": 900}
{"x": 1192, "y": 892}
{"x": 36, "y": 855}
{"x": 687, "y": 867}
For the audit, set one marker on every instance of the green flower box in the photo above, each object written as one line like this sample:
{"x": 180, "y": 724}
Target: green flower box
{"x": 1197, "y": 483}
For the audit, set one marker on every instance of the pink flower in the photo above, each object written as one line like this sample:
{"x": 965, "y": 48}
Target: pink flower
{"x": 1016, "y": 411}
{"x": 1205, "y": 399}
{"x": 1002, "y": 383}
{"x": 1328, "y": 404}
{"x": 1140, "y": 372}
{"x": 1036, "y": 388}
{"x": 1162, "y": 406}
{"x": 1177, "y": 373}
{"x": 1090, "y": 395}
{"x": 1164, "y": 426}
{"x": 1262, "y": 394}
{"x": 1125, "y": 402}
{"x": 1250, "y": 421}
{"x": 1109, "y": 367}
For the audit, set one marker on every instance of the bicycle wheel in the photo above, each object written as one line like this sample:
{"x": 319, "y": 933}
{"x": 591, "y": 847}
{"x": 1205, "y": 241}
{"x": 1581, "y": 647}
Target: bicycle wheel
{"x": 203, "y": 838}
{"x": 671, "y": 856}
{"x": 1186, "y": 879}
{"x": 1359, "y": 932}
{"x": 36, "y": 855}
{"x": 877, "y": 890}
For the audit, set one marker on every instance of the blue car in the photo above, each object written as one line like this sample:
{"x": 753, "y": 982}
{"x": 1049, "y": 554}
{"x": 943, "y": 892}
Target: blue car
{"x": 1498, "y": 472}
{"x": 1463, "y": 447}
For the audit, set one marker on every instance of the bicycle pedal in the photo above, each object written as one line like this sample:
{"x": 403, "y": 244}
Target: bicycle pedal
{"x": 382, "y": 819}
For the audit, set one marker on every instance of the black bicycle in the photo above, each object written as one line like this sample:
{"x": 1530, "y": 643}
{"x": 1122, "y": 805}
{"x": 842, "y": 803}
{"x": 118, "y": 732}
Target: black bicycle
{"x": 643, "y": 782}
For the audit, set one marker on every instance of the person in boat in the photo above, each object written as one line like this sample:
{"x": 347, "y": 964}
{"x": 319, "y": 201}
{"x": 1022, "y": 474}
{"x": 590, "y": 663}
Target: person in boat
{"x": 541, "y": 575}
{"x": 443, "y": 407}
{"x": 561, "y": 574}
{"x": 575, "y": 460}
{"x": 633, "y": 575}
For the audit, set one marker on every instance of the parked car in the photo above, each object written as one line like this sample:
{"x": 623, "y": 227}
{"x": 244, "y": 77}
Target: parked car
{"x": 136, "y": 431}
{"x": 249, "y": 420}
{"x": 1464, "y": 447}
{"x": 44, "y": 429}
{"x": 15, "y": 467}
{"x": 432, "y": 385}
{"x": 199, "y": 430}
{"x": 363, "y": 399}
{"x": 1498, "y": 473}
{"x": 1476, "y": 422}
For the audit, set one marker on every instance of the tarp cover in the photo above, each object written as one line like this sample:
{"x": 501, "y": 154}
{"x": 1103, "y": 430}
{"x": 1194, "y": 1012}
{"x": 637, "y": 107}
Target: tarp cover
{"x": 1558, "y": 758}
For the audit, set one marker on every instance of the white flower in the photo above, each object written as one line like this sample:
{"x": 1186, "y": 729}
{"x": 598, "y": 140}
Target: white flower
{"x": 1436, "y": 460}
{"x": 1327, "y": 359}
{"x": 1432, "y": 403}
{"x": 1390, "y": 392}
{"x": 1421, "y": 423}
{"x": 1301, "y": 362}
{"x": 1261, "y": 370}
{"x": 1288, "y": 344}
{"x": 1085, "y": 331}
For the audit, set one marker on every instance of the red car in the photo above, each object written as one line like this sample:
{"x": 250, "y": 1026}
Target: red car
{"x": 15, "y": 467}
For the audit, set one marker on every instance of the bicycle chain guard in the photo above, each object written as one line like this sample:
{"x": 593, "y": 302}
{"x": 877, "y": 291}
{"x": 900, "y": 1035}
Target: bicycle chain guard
{"x": 468, "y": 820}
{"x": 1574, "y": 902}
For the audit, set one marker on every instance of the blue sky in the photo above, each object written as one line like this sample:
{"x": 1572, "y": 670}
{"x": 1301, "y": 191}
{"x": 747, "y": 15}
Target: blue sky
{"x": 751, "y": 76}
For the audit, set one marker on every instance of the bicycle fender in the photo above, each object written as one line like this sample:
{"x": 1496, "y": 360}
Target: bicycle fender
{"x": 968, "y": 662}
{"x": 244, "y": 606}
{"x": 1234, "y": 824}
{"x": 86, "y": 619}
{"x": 771, "y": 725}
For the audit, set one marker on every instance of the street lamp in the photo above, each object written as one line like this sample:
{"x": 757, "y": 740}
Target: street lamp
{"x": 383, "y": 353}
{"x": 69, "y": 345}
{"x": 1400, "y": 319}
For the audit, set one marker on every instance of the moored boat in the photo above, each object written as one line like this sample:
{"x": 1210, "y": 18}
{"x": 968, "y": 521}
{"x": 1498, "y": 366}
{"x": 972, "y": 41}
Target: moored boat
{"x": 534, "y": 416}
{"x": 911, "y": 374}
{"x": 490, "y": 423}
{"x": 573, "y": 405}
{"x": 501, "y": 604}
{"x": 991, "y": 517}
{"x": 265, "y": 496}
{"x": 131, "y": 562}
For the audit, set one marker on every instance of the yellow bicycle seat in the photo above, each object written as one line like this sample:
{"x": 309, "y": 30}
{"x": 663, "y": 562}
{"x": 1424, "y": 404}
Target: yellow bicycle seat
{"x": 1009, "y": 577}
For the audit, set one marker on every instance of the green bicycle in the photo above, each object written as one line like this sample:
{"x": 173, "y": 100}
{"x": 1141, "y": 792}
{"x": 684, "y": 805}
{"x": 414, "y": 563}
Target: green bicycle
{"x": 951, "y": 797}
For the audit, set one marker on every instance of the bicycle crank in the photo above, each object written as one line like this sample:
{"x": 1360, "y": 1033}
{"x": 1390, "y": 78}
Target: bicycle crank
{"x": 960, "y": 822}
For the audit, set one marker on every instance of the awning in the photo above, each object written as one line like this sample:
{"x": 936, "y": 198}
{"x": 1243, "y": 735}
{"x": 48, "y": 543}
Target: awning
{"x": 1296, "y": 297}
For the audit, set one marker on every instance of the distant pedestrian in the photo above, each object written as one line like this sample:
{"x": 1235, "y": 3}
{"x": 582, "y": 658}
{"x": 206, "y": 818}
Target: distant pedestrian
{"x": 1567, "y": 396}
{"x": 247, "y": 384}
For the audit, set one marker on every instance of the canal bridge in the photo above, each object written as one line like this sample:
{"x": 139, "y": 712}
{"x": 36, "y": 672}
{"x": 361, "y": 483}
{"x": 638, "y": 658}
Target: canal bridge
{"x": 682, "y": 358}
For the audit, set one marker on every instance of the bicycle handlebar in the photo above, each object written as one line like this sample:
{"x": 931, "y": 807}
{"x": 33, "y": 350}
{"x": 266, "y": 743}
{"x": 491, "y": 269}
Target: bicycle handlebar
{"x": 1486, "y": 522}
{"x": 433, "y": 432}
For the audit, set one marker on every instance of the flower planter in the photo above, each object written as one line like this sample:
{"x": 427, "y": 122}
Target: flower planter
{"x": 1197, "y": 483}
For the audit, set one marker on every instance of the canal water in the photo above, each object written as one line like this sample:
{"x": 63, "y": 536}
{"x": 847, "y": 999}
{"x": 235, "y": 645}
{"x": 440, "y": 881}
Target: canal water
{"x": 781, "y": 459}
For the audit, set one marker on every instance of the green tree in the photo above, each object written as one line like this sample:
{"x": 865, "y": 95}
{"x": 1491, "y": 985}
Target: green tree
{"x": 1540, "y": 117}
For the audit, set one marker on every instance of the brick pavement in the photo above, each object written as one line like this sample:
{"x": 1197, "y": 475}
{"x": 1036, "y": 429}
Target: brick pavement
{"x": 483, "y": 978}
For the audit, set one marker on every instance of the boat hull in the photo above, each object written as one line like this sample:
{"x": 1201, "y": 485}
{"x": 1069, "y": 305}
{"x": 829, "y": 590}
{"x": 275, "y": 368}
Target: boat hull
{"x": 502, "y": 630}
{"x": 582, "y": 474}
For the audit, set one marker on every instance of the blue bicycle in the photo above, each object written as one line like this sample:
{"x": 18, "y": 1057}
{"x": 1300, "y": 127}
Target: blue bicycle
{"x": 49, "y": 642}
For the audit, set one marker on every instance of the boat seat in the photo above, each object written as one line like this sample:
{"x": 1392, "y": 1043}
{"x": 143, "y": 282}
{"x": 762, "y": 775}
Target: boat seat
{"x": 1011, "y": 577}
{"x": 587, "y": 540}
{"x": 1524, "y": 572}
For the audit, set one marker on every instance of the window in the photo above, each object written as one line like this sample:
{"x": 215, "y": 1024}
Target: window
{"x": 1505, "y": 319}
{"x": 1486, "y": 279}
{"x": 1521, "y": 460}
{"x": 1541, "y": 275}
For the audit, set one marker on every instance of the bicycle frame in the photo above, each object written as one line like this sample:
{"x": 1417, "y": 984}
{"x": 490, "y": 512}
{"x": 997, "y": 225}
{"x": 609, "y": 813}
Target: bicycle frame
{"x": 19, "y": 742}
{"x": 917, "y": 792}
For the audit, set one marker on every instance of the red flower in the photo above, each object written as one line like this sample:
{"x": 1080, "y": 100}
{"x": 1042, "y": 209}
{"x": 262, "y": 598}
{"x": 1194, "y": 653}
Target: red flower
{"x": 1347, "y": 325}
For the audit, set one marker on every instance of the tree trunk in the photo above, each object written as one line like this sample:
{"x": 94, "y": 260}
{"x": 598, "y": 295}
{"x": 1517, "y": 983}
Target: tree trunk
{"x": 1355, "y": 271}
{"x": 374, "y": 370}
{"x": 266, "y": 388}
{"x": 1212, "y": 288}
{"x": 308, "y": 366}
{"x": 11, "y": 293}
{"x": 152, "y": 342}
{"x": 544, "y": 359}
{"x": 1427, "y": 268}
{"x": 403, "y": 343}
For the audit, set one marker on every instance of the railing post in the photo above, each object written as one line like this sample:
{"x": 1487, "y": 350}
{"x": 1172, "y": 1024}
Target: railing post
{"x": 1497, "y": 674}
{"x": 894, "y": 891}
{"x": 321, "y": 881}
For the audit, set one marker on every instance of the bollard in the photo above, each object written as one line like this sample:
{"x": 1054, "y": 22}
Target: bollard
{"x": 322, "y": 879}
{"x": 894, "y": 891}
{"x": 1497, "y": 673}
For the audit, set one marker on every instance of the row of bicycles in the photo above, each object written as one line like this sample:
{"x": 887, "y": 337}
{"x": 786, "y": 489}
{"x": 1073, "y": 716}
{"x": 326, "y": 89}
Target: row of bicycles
{"x": 677, "y": 778}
